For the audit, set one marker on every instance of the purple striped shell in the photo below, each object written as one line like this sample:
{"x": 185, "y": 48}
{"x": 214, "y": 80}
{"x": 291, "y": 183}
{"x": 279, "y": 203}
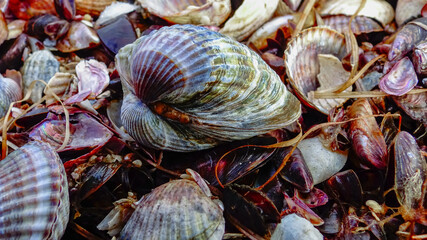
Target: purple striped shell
{"x": 400, "y": 79}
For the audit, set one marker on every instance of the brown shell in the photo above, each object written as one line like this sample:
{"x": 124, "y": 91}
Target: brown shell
{"x": 92, "y": 7}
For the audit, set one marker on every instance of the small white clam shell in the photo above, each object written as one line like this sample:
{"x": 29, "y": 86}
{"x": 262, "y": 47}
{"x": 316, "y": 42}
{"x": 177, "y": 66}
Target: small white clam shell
{"x": 207, "y": 12}
{"x": 113, "y": 11}
{"x": 34, "y": 200}
{"x": 175, "y": 210}
{"x": 248, "y": 17}
{"x": 380, "y": 10}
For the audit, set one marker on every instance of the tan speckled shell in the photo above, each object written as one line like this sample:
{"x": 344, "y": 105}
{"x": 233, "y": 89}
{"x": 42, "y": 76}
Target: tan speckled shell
{"x": 34, "y": 200}
{"x": 92, "y": 7}
{"x": 176, "y": 210}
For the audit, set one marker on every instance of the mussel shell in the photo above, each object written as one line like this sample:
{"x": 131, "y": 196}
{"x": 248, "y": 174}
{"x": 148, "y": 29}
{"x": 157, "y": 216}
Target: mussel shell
{"x": 175, "y": 210}
{"x": 34, "y": 200}
{"x": 407, "y": 38}
{"x": 401, "y": 78}
{"x": 419, "y": 58}
{"x": 188, "y": 88}
{"x": 415, "y": 105}
{"x": 301, "y": 60}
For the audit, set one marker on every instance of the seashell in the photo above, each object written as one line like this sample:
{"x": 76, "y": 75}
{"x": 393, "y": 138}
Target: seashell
{"x": 41, "y": 65}
{"x": 47, "y": 26}
{"x": 249, "y": 17}
{"x": 268, "y": 30}
{"x": 293, "y": 226}
{"x": 419, "y": 58}
{"x": 207, "y": 89}
{"x": 117, "y": 34}
{"x": 307, "y": 74}
{"x": 415, "y": 105}
{"x": 92, "y": 7}
{"x": 4, "y": 31}
{"x": 401, "y": 78}
{"x": 407, "y": 38}
{"x": 346, "y": 187}
{"x": 410, "y": 170}
{"x": 64, "y": 85}
{"x": 10, "y": 92}
{"x": 65, "y": 8}
{"x": 93, "y": 77}
{"x": 3, "y": 5}
{"x": 407, "y": 10}
{"x": 31, "y": 8}
{"x": 359, "y": 25}
{"x": 207, "y": 12}
{"x": 34, "y": 200}
{"x": 11, "y": 59}
{"x": 15, "y": 28}
{"x": 175, "y": 210}
{"x": 367, "y": 139}
{"x": 293, "y": 4}
{"x": 379, "y": 10}
{"x": 78, "y": 37}
{"x": 113, "y": 11}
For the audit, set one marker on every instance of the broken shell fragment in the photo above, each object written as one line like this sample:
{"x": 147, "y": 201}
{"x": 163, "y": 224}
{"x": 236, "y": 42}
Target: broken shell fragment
{"x": 79, "y": 37}
{"x": 249, "y": 17}
{"x": 401, "y": 78}
{"x": 415, "y": 105}
{"x": 93, "y": 77}
{"x": 34, "y": 200}
{"x": 207, "y": 12}
{"x": 175, "y": 210}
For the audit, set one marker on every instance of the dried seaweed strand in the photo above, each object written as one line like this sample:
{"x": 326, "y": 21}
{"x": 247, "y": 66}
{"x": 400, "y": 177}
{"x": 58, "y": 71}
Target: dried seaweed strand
{"x": 303, "y": 17}
{"x": 361, "y": 94}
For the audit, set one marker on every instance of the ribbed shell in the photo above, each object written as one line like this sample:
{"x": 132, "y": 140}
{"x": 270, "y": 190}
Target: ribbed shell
{"x": 188, "y": 88}
{"x": 92, "y": 7}
{"x": 302, "y": 66}
{"x": 175, "y": 210}
{"x": 10, "y": 92}
{"x": 359, "y": 25}
{"x": 34, "y": 200}
{"x": 41, "y": 65}
{"x": 198, "y": 12}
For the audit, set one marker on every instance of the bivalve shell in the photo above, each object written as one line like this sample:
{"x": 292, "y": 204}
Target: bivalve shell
{"x": 188, "y": 88}
{"x": 10, "y": 92}
{"x": 34, "y": 200}
{"x": 175, "y": 210}
{"x": 92, "y": 7}
{"x": 408, "y": 9}
{"x": 41, "y": 65}
{"x": 359, "y": 25}
{"x": 303, "y": 67}
{"x": 206, "y": 12}
{"x": 268, "y": 30}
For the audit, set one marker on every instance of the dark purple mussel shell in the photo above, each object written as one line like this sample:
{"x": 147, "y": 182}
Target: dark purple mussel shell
{"x": 407, "y": 38}
{"x": 10, "y": 56}
{"x": 400, "y": 79}
{"x": 47, "y": 26}
{"x": 415, "y": 105}
{"x": 65, "y": 8}
{"x": 117, "y": 34}
{"x": 346, "y": 187}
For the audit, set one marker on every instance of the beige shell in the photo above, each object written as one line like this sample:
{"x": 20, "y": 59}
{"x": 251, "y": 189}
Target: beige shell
{"x": 380, "y": 10}
{"x": 303, "y": 67}
{"x": 268, "y": 30}
{"x": 408, "y": 9}
{"x": 10, "y": 92}
{"x": 34, "y": 200}
{"x": 205, "y": 12}
{"x": 175, "y": 210}
{"x": 92, "y": 7}
{"x": 249, "y": 17}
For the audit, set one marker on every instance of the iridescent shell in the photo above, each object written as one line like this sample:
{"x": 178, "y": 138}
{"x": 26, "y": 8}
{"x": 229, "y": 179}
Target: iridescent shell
{"x": 10, "y": 92}
{"x": 415, "y": 105}
{"x": 176, "y": 210}
{"x": 79, "y": 37}
{"x": 41, "y": 65}
{"x": 419, "y": 58}
{"x": 380, "y": 10}
{"x": 303, "y": 67}
{"x": 206, "y": 12}
{"x": 400, "y": 79}
{"x": 34, "y": 200}
{"x": 408, "y": 9}
{"x": 407, "y": 38}
{"x": 188, "y": 88}
{"x": 249, "y": 17}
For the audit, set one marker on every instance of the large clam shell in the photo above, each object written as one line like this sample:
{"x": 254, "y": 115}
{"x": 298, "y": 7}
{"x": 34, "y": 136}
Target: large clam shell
{"x": 41, "y": 65}
{"x": 380, "y": 10}
{"x": 175, "y": 210}
{"x": 205, "y": 12}
{"x": 302, "y": 63}
{"x": 248, "y": 18}
{"x": 188, "y": 88}
{"x": 10, "y": 92}
{"x": 34, "y": 200}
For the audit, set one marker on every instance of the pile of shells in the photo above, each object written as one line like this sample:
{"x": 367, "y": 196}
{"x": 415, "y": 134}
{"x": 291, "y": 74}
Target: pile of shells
{"x": 213, "y": 119}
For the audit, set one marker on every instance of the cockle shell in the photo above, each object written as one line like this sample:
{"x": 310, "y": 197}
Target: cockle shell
{"x": 380, "y": 10}
{"x": 34, "y": 200}
{"x": 305, "y": 70}
{"x": 188, "y": 88}
{"x": 92, "y": 7}
{"x": 176, "y": 210}
{"x": 359, "y": 25}
{"x": 205, "y": 12}
{"x": 10, "y": 92}
{"x": 41, "y": 65}
{"x": 408, "y": 9}
{"x": 248, "y": 17}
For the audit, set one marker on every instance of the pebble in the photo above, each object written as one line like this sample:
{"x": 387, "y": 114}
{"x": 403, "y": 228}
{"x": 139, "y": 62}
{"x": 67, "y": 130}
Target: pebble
{"x": 294, "y": 227}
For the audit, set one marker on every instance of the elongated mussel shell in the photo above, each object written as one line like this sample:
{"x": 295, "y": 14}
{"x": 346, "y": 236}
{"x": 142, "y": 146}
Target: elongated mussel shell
{"x": 175, "y": 210}
{"x": 34, "y": 200}
{"x": 10, "y": 92}
{"x": 407, "y": 38}
{"x": 303, "y": 67}
{"x": 188, "y": 88}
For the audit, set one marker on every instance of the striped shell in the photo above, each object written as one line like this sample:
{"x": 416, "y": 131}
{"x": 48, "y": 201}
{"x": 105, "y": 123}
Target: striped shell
{"x": 188, "y": 88}
{"x": 176, "y": 210}
{"x": 92, "y": 7}
{"x": 359, "y": 25}
{"x": 302, "y": 63}
{"x": 34, "y": 200}
{"x": 41, "y": 65}
{"x": 10, "y": 92}
{"x": 205, "y": 12}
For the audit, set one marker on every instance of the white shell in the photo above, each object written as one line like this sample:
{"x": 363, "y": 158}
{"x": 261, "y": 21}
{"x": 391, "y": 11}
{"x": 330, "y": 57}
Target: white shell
{"x": 206, "y": 12}
{"x": 380, "y": 10}
{"x": 248, "y": 18}
{"x": 293, "y": 227}
{"x": 34, "y": 200}
{"x": 113, "y": 11}
{"x": 175, "y": 210}
{"x": 408, "y": 9}
{"x": 10, "y": 92}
